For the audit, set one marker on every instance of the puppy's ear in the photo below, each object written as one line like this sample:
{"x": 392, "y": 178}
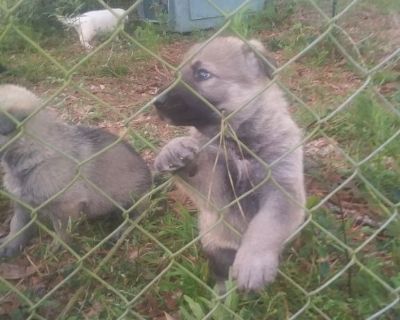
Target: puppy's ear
{"x": 255, "y": 62}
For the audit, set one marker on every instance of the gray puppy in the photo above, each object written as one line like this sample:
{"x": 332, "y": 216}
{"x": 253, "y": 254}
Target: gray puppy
{"x": 34, "y": 172}
{"x": 264, "y": 169}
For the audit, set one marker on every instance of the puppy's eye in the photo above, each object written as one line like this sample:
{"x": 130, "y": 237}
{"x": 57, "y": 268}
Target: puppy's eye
{"x": 202, "y": 75}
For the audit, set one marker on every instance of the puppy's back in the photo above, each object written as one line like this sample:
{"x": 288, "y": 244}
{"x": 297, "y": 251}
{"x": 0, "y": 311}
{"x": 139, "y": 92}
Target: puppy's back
{"x": 56, "y": 152}
{"x": 128, "y": 169}
{"x": 102, "y": 18}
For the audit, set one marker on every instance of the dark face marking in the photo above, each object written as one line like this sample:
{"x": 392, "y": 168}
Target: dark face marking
{"x": 184, "y": 108}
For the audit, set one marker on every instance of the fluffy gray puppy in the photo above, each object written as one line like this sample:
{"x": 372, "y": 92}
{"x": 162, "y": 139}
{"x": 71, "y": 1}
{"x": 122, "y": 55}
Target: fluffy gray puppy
{"x": 249, "y": 234}
{"x": 34, "y": 172}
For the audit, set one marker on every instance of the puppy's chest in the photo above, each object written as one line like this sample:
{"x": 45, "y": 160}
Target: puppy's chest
{"x": 245, "y": 170}
{"x": 244, "y": 174}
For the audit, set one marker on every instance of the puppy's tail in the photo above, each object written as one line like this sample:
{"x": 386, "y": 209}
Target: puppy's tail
{"x": 69, "y": 22}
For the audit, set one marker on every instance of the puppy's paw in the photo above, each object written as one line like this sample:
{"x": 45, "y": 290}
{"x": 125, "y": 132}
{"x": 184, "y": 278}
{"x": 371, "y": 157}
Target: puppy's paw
{"x": 253, "y": 270}
{"x": 176, "y": 154}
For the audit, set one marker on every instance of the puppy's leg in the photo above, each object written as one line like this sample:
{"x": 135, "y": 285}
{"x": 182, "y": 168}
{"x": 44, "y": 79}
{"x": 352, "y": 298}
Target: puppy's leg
{"x": 220, "y": 260}
{"x": 256, "y": 262}
{"x": 178, "y": 153}
{"x": 85, "y": 36}
{"x": 204, "y": 172}
{"x": 12, "y": 243}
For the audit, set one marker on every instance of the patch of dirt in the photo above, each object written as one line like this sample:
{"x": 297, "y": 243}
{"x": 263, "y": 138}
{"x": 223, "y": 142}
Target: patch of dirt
{"x": 112, "y": 100}
{"x": 379, "y": 31}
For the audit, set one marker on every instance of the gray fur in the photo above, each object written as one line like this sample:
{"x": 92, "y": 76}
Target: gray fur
{"x": 34, "y": 172}
{"x": 222, "y": 171}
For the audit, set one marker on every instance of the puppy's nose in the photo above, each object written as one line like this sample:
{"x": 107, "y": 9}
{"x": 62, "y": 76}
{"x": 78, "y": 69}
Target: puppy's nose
{"x": 160, "y": 101}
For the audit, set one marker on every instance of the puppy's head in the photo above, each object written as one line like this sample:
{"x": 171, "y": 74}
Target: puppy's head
{"x": 16, "y": 103}
{"x": 226, "y": 73}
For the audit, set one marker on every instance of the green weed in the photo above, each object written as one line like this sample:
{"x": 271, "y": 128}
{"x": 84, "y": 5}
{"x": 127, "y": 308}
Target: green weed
{"x": 274, "y": 14}
{"x": 365, "y": 127}
{"x": 11, "y": 42}
{"x": 27, "y": 68}
{"x": 149, "y": 35}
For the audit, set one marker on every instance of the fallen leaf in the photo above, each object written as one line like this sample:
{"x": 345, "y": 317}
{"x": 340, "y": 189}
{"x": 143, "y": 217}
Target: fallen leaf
{"x": 13, "y": 271}
{"x": 133, "y": 254}
{"x": 171, "y": 299}
{"x": 94, "y": 310}
{"x": 9, "y": 304}
{"x": 168, "y": 317}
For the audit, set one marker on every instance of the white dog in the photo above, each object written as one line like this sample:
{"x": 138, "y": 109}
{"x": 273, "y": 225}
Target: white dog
{"x": 92, "y": 23}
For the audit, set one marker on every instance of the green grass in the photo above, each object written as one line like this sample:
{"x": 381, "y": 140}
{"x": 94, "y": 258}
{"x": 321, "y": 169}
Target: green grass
{"x": 274, "y": 14}
{"x": 310, "y": 262}
{"x": 363, "y": 128}
{"x": 22, "y": 60}
{"x": 314, "y": 260}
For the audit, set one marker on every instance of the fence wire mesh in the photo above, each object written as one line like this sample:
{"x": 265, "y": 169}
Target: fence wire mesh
{"x": 342, "y": 263}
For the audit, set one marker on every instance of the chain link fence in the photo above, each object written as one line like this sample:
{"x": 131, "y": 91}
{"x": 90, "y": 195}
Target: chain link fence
{"x": 343, "y": 263}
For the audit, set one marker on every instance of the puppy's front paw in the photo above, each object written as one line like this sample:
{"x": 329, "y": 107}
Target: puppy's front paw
{"x": 253, "y": 270}
{"x": 176, "y": 154}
